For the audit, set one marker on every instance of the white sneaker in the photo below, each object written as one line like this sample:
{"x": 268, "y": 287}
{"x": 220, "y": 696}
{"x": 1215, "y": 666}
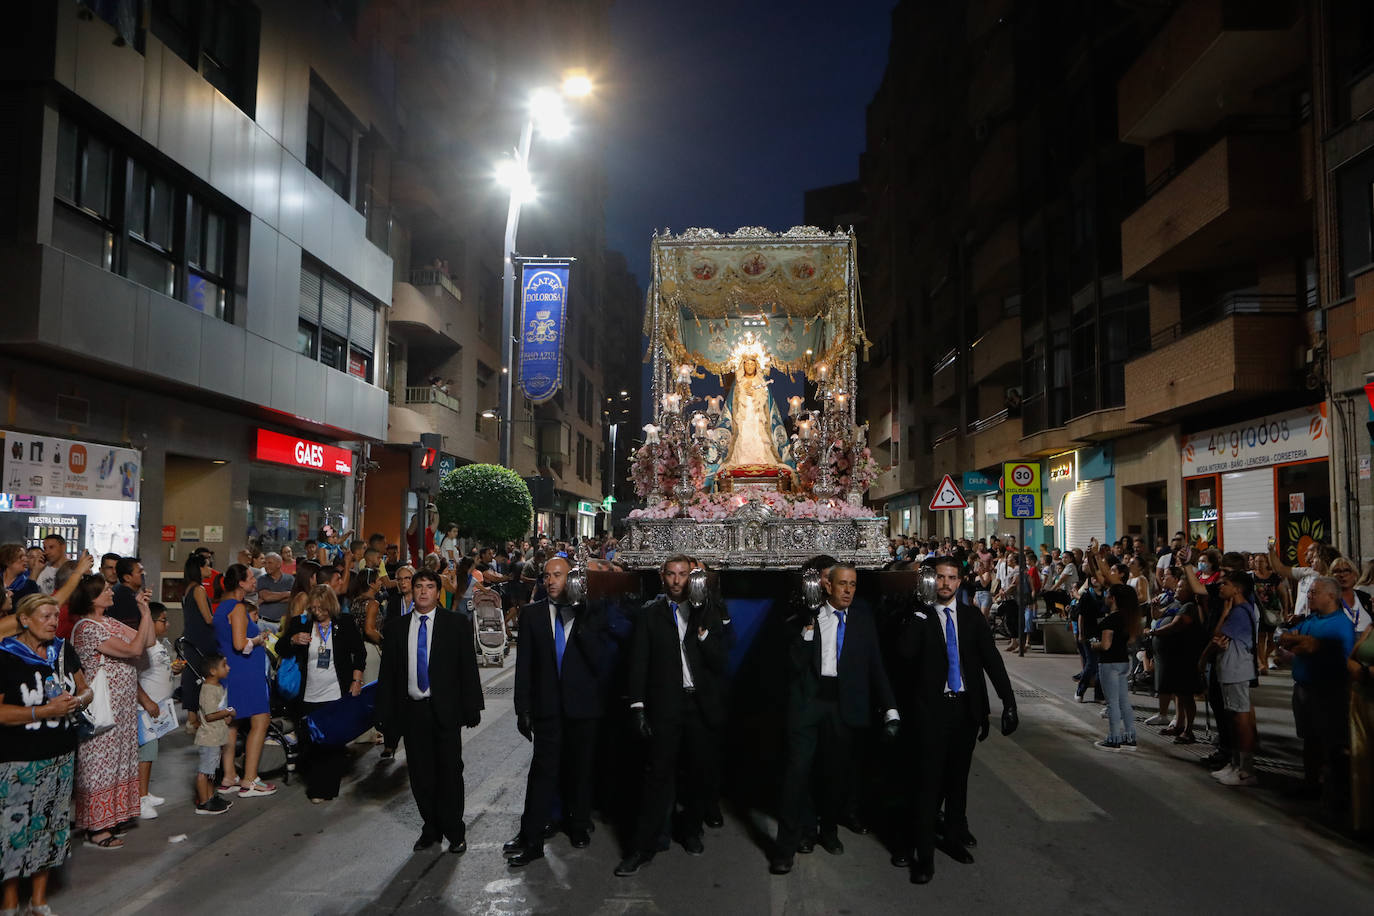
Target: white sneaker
{"x": 154, "y": 800}
{"x": 1104, "y": 713}
{"x": 1157, "y": 719}
{"x": 1224, "y": 772}
{"x": 1273, "y": 665}
{"x": 146, "y": 810}
{"x": 1239, "y": 778}
{"x": 1079, "y": 698}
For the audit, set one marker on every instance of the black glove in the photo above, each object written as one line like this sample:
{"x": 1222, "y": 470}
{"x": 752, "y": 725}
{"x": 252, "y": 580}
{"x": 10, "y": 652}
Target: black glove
{"x": 1009, "y": 720}
{"x": 983, "y": 729}
{"x": 891, "y": 728}
{"x": 524, "y": 723}
{"x": 641, "y": 723}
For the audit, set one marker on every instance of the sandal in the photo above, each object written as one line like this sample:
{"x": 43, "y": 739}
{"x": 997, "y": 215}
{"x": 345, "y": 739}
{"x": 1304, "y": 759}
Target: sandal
{"x": 1185, "y": 738}
{"x": 109, "y": 842}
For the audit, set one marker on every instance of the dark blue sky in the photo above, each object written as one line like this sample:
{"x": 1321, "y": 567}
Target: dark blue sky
{"x": 722, "y": 113}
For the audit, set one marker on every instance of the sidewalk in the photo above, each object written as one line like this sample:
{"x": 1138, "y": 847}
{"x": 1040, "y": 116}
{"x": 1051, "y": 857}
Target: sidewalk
{"x": 1278, "y": 758}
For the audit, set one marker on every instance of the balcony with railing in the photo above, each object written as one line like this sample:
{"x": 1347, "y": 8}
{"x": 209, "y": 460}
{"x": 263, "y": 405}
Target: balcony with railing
{"x": 944, "y": 383}
{"x": 994, "y": 439}
{"x": 996, "y": 356}
{"x": 1210, "y": 56}
{"x": 427, "y": 309}
{"x": 1242, "y": 194}
{"x": 1243, "y": 345}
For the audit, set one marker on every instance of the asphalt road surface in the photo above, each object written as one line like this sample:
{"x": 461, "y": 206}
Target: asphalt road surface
{"x": 1062, "y": 828}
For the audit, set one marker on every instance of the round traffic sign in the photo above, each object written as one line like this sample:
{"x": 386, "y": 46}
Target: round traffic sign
{"x": 1022, "y": 475}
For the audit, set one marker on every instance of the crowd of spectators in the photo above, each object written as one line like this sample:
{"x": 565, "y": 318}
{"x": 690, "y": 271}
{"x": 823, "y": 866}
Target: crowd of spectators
{"x": 1185, "y": 622}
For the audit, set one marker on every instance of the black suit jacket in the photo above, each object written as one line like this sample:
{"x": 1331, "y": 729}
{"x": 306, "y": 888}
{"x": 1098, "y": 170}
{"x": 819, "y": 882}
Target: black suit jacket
{"x": 349, "y": 655}
{"x": 454, "y": 686}
{"x": 923, "y": 645}
{"x": 539, "y": 690}
{"x": 863, "y": 683}
{"x": 655, "y": 666}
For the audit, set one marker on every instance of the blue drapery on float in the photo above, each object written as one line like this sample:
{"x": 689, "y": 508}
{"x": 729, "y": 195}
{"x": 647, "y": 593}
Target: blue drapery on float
{"x": 543, "y": 313}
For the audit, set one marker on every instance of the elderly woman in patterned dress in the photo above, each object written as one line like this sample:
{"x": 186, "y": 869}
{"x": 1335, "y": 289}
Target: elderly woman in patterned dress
{"x": 41, "y": 685}
{"x": 107, "y": 764}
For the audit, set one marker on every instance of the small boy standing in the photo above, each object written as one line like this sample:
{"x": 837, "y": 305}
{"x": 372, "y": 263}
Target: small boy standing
{"x": 155, "y": 671}
{"x": 213, "y": 733}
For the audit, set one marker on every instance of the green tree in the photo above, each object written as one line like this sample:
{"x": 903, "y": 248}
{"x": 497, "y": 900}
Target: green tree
{"x": 485, "y": 501}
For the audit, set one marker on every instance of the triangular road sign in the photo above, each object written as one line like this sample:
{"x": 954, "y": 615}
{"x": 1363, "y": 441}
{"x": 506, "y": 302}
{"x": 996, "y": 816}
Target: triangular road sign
{"x": 947, "y": 496}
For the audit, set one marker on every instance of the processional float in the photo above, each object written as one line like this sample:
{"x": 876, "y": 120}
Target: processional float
{"x": 726, "y": 479}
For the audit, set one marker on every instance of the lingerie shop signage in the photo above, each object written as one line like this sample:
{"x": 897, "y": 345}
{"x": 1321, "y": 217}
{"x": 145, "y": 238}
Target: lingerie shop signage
{"x": 543, "y": 313}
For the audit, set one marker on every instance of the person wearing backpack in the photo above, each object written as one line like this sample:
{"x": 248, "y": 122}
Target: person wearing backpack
{"x": 328, "y": 651}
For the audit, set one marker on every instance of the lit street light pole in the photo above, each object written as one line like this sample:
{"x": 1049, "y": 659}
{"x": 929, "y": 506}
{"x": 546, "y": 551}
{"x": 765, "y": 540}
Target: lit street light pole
{"x": 547, "y": 107}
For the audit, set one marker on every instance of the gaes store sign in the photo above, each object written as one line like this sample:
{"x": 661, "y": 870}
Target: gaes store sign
{"x": 302, "y": 453}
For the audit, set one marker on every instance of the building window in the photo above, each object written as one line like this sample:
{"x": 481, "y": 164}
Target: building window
{"x": 337, "y": 324}
{"x": 329, "y": 137}
{"x": 123, "y": 215}
{"x": 218, "y": 38}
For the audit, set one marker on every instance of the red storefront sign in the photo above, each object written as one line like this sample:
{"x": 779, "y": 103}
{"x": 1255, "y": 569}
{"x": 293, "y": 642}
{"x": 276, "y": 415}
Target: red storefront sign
{"x": 302, "y": 453}
{"x": 169, "y": 533}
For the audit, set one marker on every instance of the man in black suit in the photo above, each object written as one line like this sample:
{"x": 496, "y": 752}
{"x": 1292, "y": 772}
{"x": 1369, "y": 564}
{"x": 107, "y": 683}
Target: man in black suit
{"x": 559, "y": 703}
{"x": 427, "y": 691}
{"x": 675, "y": 685}
{"x": 950, "y": 648}
{"x": 837, "y": 683}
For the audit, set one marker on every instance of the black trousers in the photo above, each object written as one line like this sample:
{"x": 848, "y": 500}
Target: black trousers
{"x": 1225, "y": 719}
{"x": 564, "y": 751}
{"x": 434, "y": 760}
{"x": 820, "y": 752}
{"x": 680, "y": 735}
{"x": 324, "y": 766}
{"x": 945, "y": 736}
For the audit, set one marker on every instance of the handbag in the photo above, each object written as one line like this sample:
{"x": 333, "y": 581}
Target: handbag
{"x": 98, "y": 717}
{"x": 289, "y": 678}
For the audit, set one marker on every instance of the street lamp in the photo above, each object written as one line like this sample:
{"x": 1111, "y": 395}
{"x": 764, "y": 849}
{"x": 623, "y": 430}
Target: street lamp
{"x": 547, "y": 112}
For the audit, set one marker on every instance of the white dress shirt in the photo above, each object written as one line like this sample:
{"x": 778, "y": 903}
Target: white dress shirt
{"x": 566, "y": 621}
{"x": 413, "y": 640}
{"x": 829, "y": 625}
{"x": 680, "y": 618}
{"x": 942, "y": 613}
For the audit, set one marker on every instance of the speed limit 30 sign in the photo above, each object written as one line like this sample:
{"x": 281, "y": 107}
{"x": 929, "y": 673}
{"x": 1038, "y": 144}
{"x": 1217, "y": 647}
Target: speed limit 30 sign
{"x": 1021, "y": 496}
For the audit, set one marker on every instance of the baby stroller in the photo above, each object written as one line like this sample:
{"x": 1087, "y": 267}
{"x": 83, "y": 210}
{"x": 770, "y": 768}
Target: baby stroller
{"x": 279, "y": 751}
{"x": 489, "y": 627}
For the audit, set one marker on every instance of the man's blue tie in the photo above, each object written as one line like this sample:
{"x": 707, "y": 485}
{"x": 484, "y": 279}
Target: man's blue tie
{"x": 422, "y": 656}
{"x": 673, "y": 605}
{"x": 956, "y": 680}
{"x": 839, "y": 635}
{"x": 560, "y": 639}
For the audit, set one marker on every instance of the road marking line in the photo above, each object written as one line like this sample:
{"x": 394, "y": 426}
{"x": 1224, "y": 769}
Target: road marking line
{"x": 1039, "y": 787}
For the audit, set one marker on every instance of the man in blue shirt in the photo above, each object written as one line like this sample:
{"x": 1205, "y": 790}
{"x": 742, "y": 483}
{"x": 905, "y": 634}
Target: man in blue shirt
{"x": 1320, "y": 643}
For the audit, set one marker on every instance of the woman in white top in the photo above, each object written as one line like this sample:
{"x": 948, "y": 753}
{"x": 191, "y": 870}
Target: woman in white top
{"x": 329, "y": 651}
{"x": 1139, "y": 581}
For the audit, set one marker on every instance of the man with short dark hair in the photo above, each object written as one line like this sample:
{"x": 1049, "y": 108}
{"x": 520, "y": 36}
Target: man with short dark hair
{"x": 125, "y": 609}
{"x": 675, "y": 685}
{"x": 952, "y": 653}
{"x": 427, "y": 691}
{"x": 54, "y": 555}
{"x": 107, "y": 568}
{"x": 312, "y": 550}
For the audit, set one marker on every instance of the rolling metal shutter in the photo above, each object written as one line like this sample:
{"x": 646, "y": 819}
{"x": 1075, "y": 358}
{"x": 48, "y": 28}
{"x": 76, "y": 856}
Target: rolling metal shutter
{"x": 334, "y": 308}
{"x": 1085, "y": 514}
{"x": 1247, "y": 509}
{"x": 362, "y": 324}
{"x": 310, "y": 295}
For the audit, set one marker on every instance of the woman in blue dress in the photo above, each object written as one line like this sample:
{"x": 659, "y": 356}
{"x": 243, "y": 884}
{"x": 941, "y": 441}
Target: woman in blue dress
{"x": 241, "y": 642}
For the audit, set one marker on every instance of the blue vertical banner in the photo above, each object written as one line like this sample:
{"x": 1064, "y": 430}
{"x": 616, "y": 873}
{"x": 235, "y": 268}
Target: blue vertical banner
{"x": 543, "y": 313}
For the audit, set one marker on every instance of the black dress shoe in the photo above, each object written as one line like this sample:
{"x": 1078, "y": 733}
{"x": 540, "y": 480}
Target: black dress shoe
{"x": 780, "y": 865}
{"x": 713, "y": 819}
{"x": 901, "y": 860}
{"x": 854, "y": 825}
{"x": 922, "y": 872}
{"x": 959, "y": 854}
{"x": 513, "y": 845}
{"x": 579, "y": 839}
{"x": 632, "y": 863}
{"x": 966, "y": 839}
{"x": 388, "y": 753}
{"x": 693, "y": 846}
{"x": 424, "y": 842}
{"x": 458, "y": 848}
{"x": 525, "y": 857}
{"x": 831, "y": 844}
{"x": 807, "y": 845}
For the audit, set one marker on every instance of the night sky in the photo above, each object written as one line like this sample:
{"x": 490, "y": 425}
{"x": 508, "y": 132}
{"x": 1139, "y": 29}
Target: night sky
{"x": 722, "y": 113}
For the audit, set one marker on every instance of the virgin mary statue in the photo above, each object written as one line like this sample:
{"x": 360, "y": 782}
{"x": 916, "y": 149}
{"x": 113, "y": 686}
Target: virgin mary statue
{"x": 758, "y": 435}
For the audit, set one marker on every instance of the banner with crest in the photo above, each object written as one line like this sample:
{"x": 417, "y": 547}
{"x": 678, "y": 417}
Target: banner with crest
{"x": 543, "y": 314}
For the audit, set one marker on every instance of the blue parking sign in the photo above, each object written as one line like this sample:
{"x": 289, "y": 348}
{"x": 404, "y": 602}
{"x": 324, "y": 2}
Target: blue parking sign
{"x": 1023, "y": 505}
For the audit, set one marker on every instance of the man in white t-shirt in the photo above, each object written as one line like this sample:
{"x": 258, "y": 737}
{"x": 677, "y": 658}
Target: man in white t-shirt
{"x": 1305, "y": 575}
{"x": 54, "y": 555}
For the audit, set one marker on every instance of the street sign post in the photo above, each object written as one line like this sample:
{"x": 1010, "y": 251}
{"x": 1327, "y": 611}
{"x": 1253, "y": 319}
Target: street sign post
{"x": 1021, "y": 499}
{"x": 947, "y": 496}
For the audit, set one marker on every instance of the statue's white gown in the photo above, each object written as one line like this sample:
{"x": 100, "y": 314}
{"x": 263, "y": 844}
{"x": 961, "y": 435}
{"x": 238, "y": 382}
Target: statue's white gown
{"x": 753, "y": 437}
